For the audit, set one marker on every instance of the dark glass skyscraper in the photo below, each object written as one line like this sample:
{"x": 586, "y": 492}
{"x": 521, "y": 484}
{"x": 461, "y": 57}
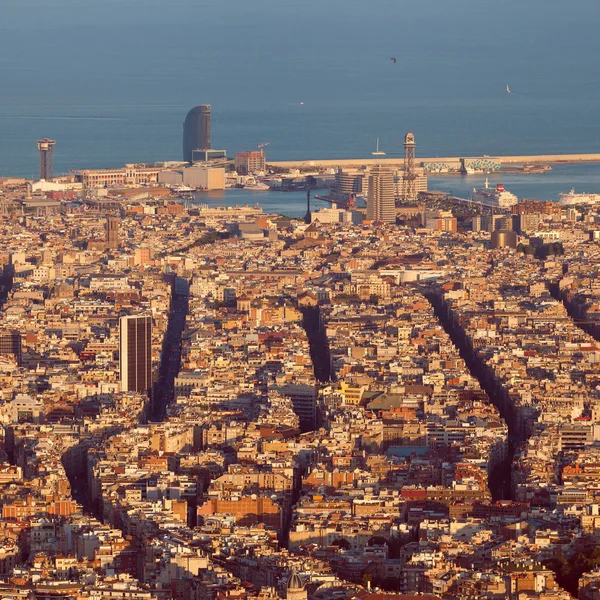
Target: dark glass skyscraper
{"x": 10, "y": 343}
{"x": 196, "y": 131}
{"x": 135, "y": 353}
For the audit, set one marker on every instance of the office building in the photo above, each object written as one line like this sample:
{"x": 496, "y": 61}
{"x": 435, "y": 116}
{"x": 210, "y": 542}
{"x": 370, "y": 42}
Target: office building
{"x": 46, "y": 148}
{"x": 491, "y": 223}
{"x": 250, "y": 162}
{"x": 348, "y": 185}
{"x": 10, "y": 344}
{"x": 196, "y": 131}
{"x": 526, "y": 222}
{"x": 304, "y": 401}
{"x": 380, "y": 203}
{"x": 135, "y": 353}
{"x": 112, "y": 233}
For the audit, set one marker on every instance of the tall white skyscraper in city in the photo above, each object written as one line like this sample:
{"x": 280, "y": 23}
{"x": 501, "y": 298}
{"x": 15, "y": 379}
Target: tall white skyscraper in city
{"x": 380, "y": 197}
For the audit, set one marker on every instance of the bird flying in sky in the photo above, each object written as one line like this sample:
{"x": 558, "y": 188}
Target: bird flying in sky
{"x": 393, "y": 59}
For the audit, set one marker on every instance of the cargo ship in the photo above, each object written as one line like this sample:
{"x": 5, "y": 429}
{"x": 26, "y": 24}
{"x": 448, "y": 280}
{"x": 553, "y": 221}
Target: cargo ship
{"x": 496, "y": 197}
{"x": 572, "y": 198}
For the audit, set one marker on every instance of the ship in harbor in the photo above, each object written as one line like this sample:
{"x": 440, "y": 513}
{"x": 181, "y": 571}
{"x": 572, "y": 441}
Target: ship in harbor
{"x": 378, "y": 152}
{"x": 496, "y": 197}
{"x": 572, "y": 198}
{"x": 256, "y": 186}
{"x": 180, "y": 188}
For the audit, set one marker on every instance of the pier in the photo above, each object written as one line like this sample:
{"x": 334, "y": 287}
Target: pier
{"x": 398, "y": 161}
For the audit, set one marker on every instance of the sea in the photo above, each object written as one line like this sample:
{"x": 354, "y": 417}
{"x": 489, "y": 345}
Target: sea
{"x": 112, "y": 81}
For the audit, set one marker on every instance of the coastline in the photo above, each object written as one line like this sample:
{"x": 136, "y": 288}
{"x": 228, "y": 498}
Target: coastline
{"x": 583, "y": 176}
{"x": 537, "y": 159}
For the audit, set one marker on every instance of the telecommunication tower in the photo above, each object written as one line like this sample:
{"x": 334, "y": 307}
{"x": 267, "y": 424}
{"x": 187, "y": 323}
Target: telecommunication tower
{"x": 409, "y": 188}
{"x": 46, "y": 148}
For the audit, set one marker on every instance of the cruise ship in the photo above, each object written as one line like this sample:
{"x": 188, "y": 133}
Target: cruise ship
{"x": 573, "y": 198}
{"x": 496, "y": 197}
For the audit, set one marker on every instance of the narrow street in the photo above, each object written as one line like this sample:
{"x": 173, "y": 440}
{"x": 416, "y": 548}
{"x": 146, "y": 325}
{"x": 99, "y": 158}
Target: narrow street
{"x": 163, "y": 391}
{"x": 499, "y": 481}
{"x": 162, "y": 394}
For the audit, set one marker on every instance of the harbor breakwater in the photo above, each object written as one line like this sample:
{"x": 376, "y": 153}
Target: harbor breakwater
{"x": 452, "y": 161}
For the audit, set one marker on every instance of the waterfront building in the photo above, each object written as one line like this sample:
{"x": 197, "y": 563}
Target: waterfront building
{"x": 135, "y": 353}
{"x": 202, "y": 177}
{"x": 196, "y": 131}
{"x": 208, "y": 155}
{"x": 380, "y": 204}
{"x": 349, "y": 182}
{"x": 250, "y": 162}
{"x": 130, "y": 175}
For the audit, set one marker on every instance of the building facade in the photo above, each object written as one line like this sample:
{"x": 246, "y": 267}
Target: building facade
{"x": 112, "y": 233}
{"x": 380, "y": 204}
{"x": 250, "y": 162}
{"x": 304, "y": 401}
{"x": 135, "y": 353}
{"x": 10, "y": 343}
{"x": 440, "y": 220}
{"x": 196, "y": 131}
{"x": 130, "y": 175}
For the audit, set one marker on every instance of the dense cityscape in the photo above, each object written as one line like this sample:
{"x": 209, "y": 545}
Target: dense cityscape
{"x": 394, "y": 397}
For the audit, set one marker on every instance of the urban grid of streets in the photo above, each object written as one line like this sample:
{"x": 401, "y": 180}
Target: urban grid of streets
{"x": 338, "y": 410}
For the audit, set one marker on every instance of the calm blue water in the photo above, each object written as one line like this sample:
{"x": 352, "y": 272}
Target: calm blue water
{"x": 111, "y": 81}
{"x": 545, "y": 186}
{"x": 291, "y": 204}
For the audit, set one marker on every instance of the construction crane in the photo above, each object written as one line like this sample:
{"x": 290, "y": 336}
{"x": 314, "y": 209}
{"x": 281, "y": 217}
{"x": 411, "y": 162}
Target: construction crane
{"x": 263, "y": 145}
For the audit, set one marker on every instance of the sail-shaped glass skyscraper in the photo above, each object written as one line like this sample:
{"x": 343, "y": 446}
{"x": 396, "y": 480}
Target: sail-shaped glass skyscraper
{"x": 196, "y": 131}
